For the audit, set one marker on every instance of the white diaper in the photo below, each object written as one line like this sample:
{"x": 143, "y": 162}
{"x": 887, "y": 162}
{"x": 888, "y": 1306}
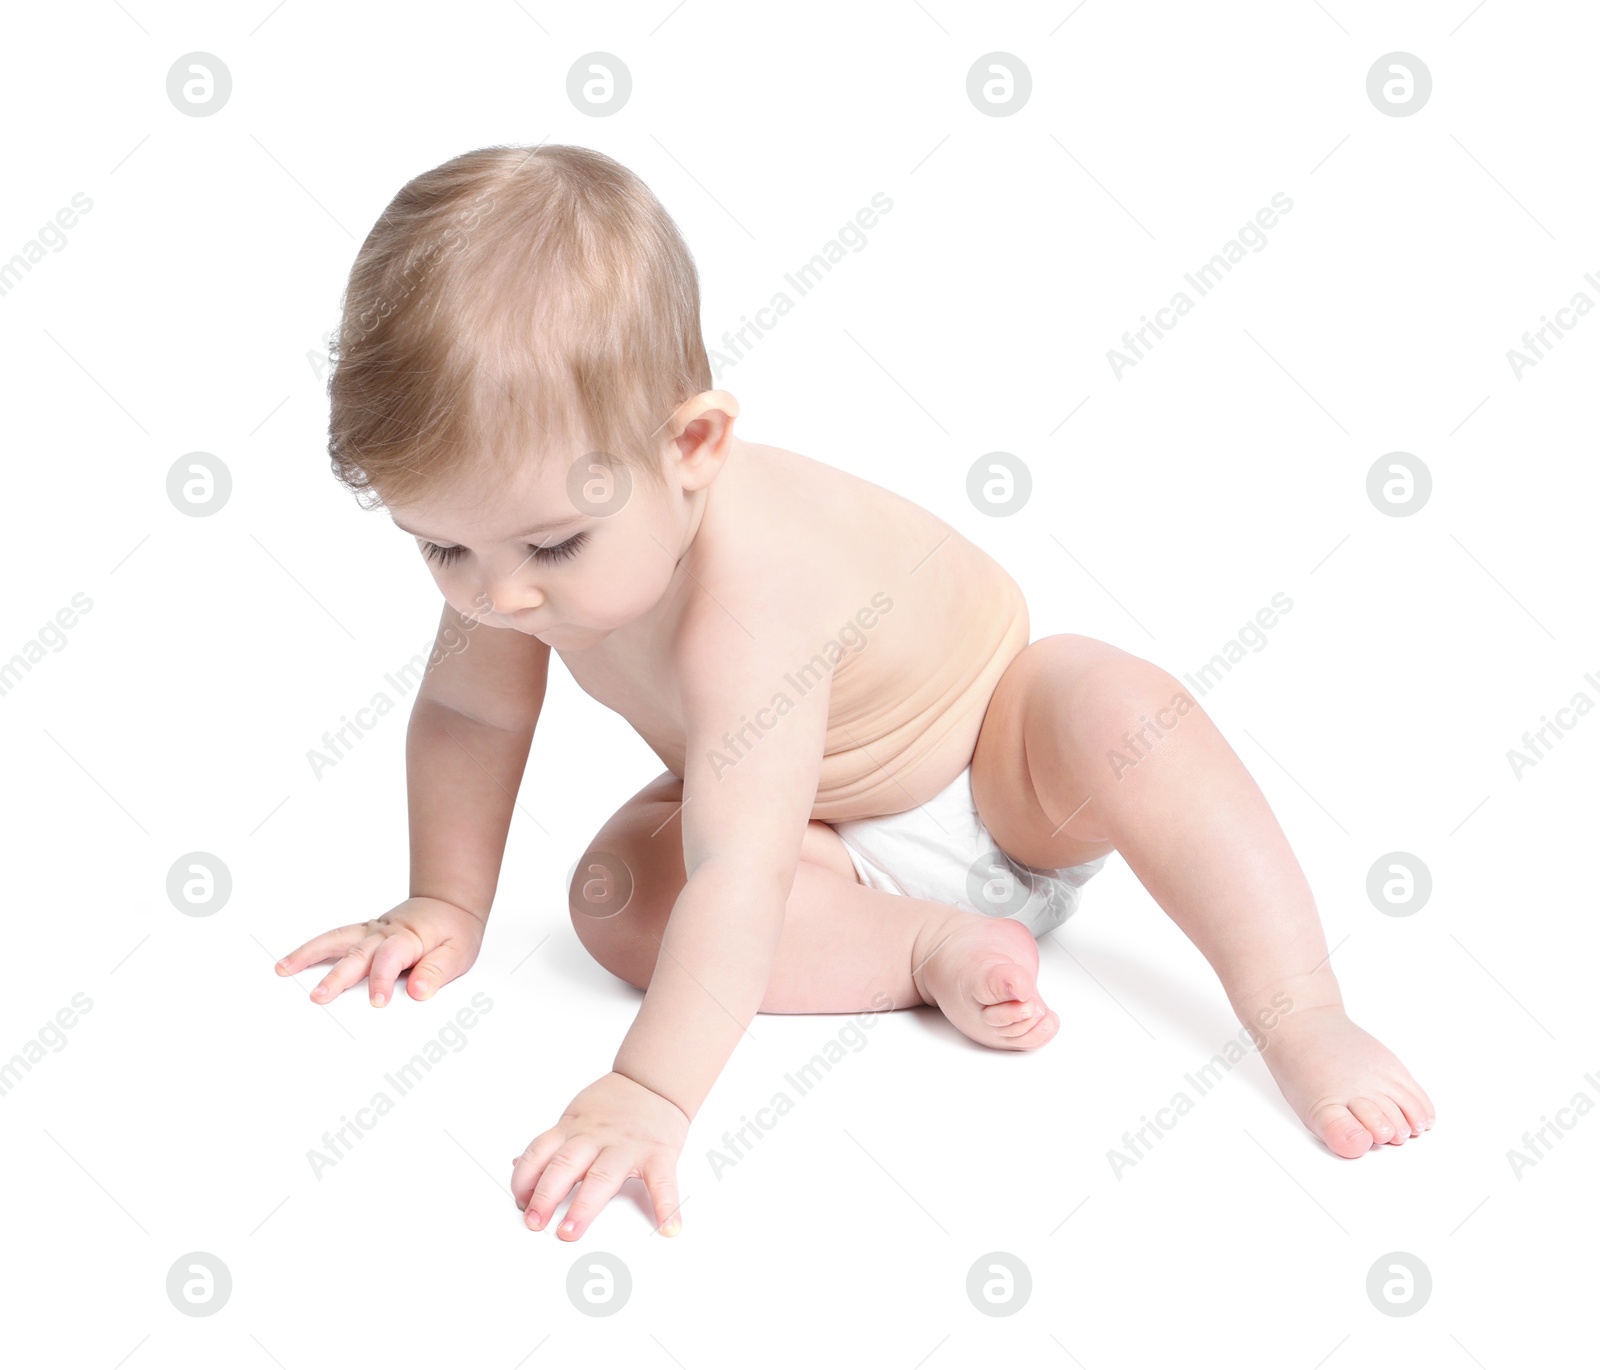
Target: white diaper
{"x": 942, "y": 851}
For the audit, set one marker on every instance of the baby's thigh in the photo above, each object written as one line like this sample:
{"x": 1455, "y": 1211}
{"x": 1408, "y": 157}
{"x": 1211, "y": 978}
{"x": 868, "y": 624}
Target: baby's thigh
{"x": 822, "y": 846}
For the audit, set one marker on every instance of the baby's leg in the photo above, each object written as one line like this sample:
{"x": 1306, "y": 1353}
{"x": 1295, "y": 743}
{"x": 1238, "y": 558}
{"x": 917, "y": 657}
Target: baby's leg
{"x": 844, "y": 947}
{"x": 1085, "y": 747}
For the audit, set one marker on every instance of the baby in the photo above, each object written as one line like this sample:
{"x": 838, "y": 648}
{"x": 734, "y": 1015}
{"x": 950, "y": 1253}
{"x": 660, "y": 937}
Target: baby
{"x": 878, "y": 793}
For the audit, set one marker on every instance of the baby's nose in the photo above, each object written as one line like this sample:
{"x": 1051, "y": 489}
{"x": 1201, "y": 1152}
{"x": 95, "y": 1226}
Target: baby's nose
{"x": 511, "y": 588}
{"x": 510, "y": 598}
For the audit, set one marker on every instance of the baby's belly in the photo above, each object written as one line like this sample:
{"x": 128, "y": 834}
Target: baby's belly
{"x": 904, "y": 713}
{"x": 888, "y": 762}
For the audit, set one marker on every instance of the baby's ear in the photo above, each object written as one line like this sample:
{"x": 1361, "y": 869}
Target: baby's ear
{"x": 707, "y": 431}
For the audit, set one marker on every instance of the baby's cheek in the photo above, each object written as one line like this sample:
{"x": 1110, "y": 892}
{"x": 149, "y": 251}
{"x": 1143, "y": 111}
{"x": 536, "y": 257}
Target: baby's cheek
{"x": 621, "y": 594}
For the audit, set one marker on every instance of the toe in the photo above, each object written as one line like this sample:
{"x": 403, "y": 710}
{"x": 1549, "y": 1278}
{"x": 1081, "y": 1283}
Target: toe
{"x": 1414, "y": 1099}
{"x": 1373, "y": 1116}
{"x": 1343, "y": 1131}
{"x": 1036, "y": 1035}
{"x": 1002, "y": 981}
{"x": 1415, "y": 1116}
{"x": 1397, "y": 1117}
{"x": 1012, "y": 1012}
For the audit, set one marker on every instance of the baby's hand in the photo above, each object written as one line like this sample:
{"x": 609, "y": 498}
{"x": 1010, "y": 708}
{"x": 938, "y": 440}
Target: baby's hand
{"x": 439, "y": 940}
{"x": 614, "y": 1129}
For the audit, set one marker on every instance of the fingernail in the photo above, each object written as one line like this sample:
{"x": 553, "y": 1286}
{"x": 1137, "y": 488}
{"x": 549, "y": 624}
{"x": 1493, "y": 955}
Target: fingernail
{"x": 535, "y": 1221}
{"x": 422, "y": 988}
{"x": 378, "y": 1001}
{"x": 569, "y": 1226}
{"x": 671, "y": 1227}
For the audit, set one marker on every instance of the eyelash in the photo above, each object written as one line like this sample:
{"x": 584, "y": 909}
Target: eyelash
{"x": 446, "y": 556}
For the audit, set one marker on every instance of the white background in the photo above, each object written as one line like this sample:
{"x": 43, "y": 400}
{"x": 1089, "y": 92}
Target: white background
{"x": 187, "y": 311}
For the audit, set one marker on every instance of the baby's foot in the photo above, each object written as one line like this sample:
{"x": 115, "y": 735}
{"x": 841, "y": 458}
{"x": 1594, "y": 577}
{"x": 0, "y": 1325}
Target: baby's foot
{"x": 980, "y": 973}
{"x": 1346, "y": 1086}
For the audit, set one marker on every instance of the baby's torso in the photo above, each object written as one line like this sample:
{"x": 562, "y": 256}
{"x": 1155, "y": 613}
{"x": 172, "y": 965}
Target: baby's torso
{"x": 925, "y": 624}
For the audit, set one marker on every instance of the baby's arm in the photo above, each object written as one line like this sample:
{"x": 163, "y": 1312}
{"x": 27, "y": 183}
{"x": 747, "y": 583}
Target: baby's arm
{"x": 749, "y": 789}
{"x": 748, "y": 792}
{"x": 472, "y": 723}
{"x": 466, "y": 748}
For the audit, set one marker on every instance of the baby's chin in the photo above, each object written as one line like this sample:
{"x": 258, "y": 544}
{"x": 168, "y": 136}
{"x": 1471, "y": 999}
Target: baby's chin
{"x": 571, "y": 636}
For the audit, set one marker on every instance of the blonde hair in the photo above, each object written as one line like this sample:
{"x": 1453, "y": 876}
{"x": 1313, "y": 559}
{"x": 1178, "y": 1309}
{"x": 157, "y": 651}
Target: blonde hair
{"x": 512, "y": 301}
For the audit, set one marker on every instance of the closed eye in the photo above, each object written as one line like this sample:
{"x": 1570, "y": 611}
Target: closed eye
{"x": 562, "y": 550}
{"x": 442, "y": 555}
{"x": 446, "y": 556}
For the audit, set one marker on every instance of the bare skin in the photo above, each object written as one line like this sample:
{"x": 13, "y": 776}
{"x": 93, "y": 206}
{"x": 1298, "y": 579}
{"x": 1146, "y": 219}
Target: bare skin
{"x": 800, "y": 647}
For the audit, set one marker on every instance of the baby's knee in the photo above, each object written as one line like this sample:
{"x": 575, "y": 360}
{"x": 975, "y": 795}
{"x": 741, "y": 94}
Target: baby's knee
{"x": 612, "y": 917}
{"x": 1104, "y": 692}
{"x": 1140, "y": 688}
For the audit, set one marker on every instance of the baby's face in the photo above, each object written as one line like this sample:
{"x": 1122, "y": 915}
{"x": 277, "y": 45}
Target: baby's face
{"x": 516, "y": 552}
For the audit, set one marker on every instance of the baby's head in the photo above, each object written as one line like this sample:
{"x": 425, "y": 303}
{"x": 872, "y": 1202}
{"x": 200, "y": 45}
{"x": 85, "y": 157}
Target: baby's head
{"x": 520, "y": 380}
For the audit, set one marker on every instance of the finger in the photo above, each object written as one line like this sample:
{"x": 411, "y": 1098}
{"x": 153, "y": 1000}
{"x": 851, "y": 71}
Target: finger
{"x": 347, "y": 969}
{"x": 400, "y": 948}
{"x": 328, "y": 946}
{"x": 566, "y": 1167}
{"x": 440, "y": 966}
{"x": 606, "y": 1173}
{"x": 526, "y": 1168}
{"x": 661, "y": 1179}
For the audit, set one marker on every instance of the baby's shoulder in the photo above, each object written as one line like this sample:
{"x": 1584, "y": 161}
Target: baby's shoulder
{"x": 785, "y": 511}
{"x": 774, "y": 504}
{"x": 785, "y": 537}
{"x": 782, "y": 540}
